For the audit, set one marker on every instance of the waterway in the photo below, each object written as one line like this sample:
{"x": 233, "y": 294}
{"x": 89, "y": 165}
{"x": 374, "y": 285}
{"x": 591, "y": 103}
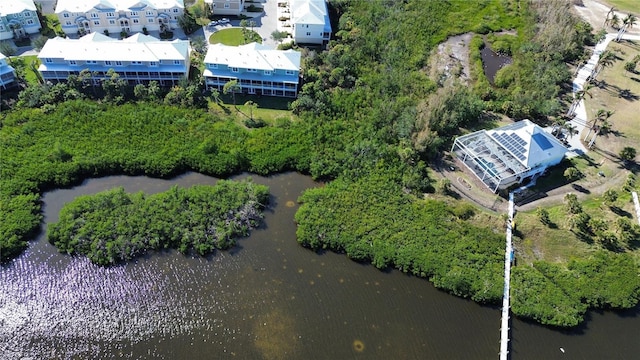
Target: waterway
{"x": 268, "y": 298}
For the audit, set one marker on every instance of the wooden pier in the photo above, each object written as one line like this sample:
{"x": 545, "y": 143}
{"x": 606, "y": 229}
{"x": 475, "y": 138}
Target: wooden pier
{"x": 508, "y": 259}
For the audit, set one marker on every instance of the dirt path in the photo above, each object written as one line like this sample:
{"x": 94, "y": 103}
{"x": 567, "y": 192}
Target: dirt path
{"x": 595, "y": 13}
{"x": 556, "y": 196}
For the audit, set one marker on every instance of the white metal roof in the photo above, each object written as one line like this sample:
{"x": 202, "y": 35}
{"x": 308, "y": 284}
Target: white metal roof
{"x": 253, "y": 56}
{"x": 8, "y": 7}
{"x": 527, "y": 142}
{"x": 83, "y": 6}
{"x": 99, "y": 47}
{"x": 309, "y": 11}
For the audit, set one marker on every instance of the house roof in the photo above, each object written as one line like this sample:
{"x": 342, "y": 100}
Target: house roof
{"x": 99, "y": 47}
{"x": 253, "y": 56}
{"x": 83, "y": 6}
{"x": 527, "y": 142}
{"x": 8, "y": 7}
{"x": 308, "y": 12}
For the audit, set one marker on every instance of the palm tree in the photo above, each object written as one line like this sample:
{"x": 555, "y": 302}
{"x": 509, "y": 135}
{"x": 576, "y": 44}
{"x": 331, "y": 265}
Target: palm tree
{"x": 627, "y": 23}
{"x": 603, "y": 116}
{"x": 579, "y": 96}
{"x": 605, "y": 59}
{"x": 571, "y": 129}
{"x": 614, "y": 22}
{"x": 607, "y": 20}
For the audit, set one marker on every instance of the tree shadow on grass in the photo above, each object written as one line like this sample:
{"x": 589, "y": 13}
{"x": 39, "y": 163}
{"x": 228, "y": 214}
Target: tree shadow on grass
{"x": 620, "y": 212}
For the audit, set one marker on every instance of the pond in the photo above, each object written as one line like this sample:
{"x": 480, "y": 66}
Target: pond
{"x": 268, "y": 298}
{"x": 492, "y": 62}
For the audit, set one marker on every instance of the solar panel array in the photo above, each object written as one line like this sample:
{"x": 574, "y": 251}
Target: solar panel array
{"x": 512, "y": 142}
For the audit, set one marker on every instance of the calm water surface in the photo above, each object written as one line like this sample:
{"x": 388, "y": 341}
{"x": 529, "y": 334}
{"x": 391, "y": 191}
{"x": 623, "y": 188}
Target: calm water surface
{"x": 268, "y": 298}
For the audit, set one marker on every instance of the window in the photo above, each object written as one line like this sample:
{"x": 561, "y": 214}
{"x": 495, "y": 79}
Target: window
{"x": 19, "y": 14}
{"x": 94, "y": 15}
{"x": 252, "y": 70}
{"x": 290, "y": 72}
{"x": 226, "y": 6}
{"x": 118, "y": 63}
{"x": 27, "y": 14}
{"x": 234, "y": 69}
{"x": 153, "y": 63}
{"x": 112, "y": 22}
{"x": 176, "y": 62}
{"x": 29, "y": 22}
{"x": 175, "y": 10}
{"x": 1, "y": 27}
{"x": 110, "y": 14}
{"x": 65, "y": 15}
{"x": 134, "y": 13}
{"x": 267, "y": 72}
{"x": 96, "y": 22}
{"x": 135, "y": 21}
{"x": 72, "y": 62}
{"x": 150, "y": 13}
{"x": 108, "y": 63}
{"x": 136, "y": 63}
{"x": 308, "y": 33}
{"x": 68, "y": 23}
{"x": 213, "y": 66}
{"x": 150, "y": 20}
{"x": 91, "y": 62}
{"x": 48, "y": 60}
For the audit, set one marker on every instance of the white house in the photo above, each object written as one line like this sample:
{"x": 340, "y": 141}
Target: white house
{"x": 87, "y": 16}
{"x": 259, "y": 69}
{"x": 226, "y": 7}
{"x": 509, "y": 155}
{"x": 310, "y": 22}
{"x": 137, "y": 59}
{"x": 18, "y": 18}
{"x": 7, "y": 73}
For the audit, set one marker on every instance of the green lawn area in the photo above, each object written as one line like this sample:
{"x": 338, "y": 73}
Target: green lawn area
{"x": 625, "y": 5}
{"x": 23, "y": 68}
{"x": 233, "y": 37}
{"x": 269, "y": 109}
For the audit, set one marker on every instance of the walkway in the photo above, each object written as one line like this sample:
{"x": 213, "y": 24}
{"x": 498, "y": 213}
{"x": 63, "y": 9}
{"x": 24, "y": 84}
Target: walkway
{"x": 508, "y": 258}
{"x": 636, "y": 204}
{"x": 581, "y": 118}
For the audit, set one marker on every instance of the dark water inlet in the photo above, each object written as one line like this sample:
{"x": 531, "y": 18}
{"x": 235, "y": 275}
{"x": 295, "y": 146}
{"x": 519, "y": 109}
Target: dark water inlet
{"x": 268, "y": 298}
{"x": 492, "y": 62}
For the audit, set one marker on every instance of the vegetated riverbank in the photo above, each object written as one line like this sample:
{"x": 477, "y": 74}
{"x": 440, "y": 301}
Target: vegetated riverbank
{"x": 114, "y": 226}
{"x": 369, "y": 117}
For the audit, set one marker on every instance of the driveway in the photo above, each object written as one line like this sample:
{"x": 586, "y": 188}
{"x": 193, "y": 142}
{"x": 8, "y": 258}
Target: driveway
{"x": 264, "y": 23}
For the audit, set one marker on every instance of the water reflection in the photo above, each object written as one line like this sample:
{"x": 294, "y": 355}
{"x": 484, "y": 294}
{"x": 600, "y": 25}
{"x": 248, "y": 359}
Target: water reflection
{"x": 268, "y": 298}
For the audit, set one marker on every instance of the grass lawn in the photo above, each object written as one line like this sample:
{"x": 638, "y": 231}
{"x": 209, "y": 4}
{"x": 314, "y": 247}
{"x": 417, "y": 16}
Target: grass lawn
{"x": 620, "y": 92}
{"x": 269, "y": 109}
{"x": 625, "y": 5}
{"x": 556, "y": 243}
{"x": 21, "y": 64}
{"x": 233, "y": 37}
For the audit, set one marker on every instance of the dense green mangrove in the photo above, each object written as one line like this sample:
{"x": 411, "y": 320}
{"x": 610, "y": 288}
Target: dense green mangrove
{"x": 114, "y": 226}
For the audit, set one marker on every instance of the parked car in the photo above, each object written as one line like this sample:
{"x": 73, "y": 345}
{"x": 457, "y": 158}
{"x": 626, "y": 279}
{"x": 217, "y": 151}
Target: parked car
{"x": 212, "y": 24}
{"x": 223, "y": 21}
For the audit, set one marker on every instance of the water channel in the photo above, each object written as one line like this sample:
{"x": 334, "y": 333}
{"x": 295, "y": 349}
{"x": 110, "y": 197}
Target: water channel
{"x": 268, "y": 298}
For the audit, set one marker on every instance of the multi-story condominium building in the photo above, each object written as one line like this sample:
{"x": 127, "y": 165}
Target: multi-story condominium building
{"x": 7, "y": 73}
{"x": 137, "y": 59}
{"x": 18, "y": 18}
{"x": 310, "y": 22}
{"x": 87, "y": 16}
{"x": 258, "y": 69}
{"x": 226, "y": 7}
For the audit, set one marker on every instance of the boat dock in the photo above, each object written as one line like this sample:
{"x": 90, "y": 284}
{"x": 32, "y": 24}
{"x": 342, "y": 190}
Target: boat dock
{"x": 508, "y": 259}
